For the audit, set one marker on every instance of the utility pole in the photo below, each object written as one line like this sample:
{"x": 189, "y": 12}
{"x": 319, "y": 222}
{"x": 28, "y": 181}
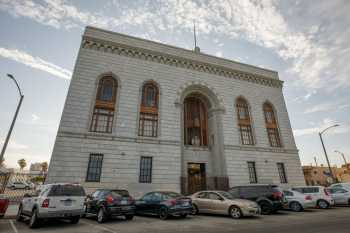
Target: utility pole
{"x": 325, "y": 152}
{"x": 14, "y": 118}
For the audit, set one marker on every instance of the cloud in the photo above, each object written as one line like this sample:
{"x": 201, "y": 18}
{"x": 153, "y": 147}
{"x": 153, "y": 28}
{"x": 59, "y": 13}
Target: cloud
{"x": 344, "y": 128}
{"x": 35, "y": 62}
{"x": 328, "y": 106}
{"x": 35, "y": 117}
{"x": 315, "y": 63}
{"x": 13, "y": 145}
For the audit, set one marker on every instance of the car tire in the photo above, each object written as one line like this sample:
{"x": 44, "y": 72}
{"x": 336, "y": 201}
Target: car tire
{"x": 195, "y": 210}
{"x": 19, "y": 216}
{"x": 34, "y": 220}
{"x": 266, "y": 208}
{"x": 183, "y": 215}
{"x": 235, "y": 212}
{"x": 101, "y": 216}
{"x": 295, "y": 206}
{"x": 163, "y": 213}
{"x": 129, "y": 217}
{"x": 322, "y": 204}
{"x": 75, "y": 220}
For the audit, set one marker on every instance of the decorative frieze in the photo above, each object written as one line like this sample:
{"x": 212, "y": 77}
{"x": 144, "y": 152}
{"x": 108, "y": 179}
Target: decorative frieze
{"x": 167, "y": 59}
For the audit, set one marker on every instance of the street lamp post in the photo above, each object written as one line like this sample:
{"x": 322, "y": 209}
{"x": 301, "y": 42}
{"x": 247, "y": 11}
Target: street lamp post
{"x": 325, "y": 152}
{"x": 342, "y": 154}
{"x": 14, "y": 118}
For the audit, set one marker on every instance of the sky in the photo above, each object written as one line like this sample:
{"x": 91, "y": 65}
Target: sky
{"x": 307, "y": 43}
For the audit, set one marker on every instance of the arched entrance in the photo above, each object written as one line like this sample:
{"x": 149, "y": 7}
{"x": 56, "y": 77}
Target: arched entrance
{"x": 203, "y": 161}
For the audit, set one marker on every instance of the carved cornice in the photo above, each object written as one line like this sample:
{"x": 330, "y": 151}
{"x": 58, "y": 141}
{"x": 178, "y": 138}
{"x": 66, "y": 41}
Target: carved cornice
{"x": 172, "y": 60}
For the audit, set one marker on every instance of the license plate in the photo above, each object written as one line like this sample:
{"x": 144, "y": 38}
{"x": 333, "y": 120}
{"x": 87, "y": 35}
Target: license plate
{"x": 125, "y": 208}
{"x": 124, "y": 202}
{"x": 67, "y": 203}
{"x": 184, "y": 204}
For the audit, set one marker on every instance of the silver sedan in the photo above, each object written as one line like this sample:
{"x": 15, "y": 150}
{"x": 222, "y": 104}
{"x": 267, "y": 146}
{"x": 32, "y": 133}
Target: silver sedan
{"x": 220, "y": 202}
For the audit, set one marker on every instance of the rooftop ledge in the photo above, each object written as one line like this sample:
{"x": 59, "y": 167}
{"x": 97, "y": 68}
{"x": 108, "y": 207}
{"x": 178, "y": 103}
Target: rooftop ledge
{"x": 114, "y": 37}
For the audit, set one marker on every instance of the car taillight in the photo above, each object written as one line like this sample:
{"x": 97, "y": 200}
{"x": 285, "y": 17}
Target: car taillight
{"x": 131, "y": 200}
{"x": 308, "y": 197}
{"x": 326, "y": 192}
{"x": 171, "y": 202}
{"x": 110, "y": 199}
{"x": 45, "y": 203}
{"x": 277, "y": 195}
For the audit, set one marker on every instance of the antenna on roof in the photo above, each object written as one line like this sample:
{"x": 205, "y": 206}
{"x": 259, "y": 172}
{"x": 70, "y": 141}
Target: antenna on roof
{"x": 196, "y": 48}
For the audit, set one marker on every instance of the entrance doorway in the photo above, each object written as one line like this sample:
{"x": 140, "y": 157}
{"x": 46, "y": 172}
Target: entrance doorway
{"x": 196, "y": 177}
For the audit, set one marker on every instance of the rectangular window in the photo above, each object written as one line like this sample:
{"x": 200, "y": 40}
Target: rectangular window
{"x": 94, "y": 168}
{"x": 102, "y": 120}
{"x": 148, "y": 125}
{"x": 246, "y": 134}
{"x": 252, "y": 173}
{"x": 145, "y": 170}
{"x": 282, "y": 173}
{"x": 274, "y": 137}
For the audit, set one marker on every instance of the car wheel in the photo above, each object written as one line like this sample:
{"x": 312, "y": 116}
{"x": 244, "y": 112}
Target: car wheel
{"x": 183, "y": 215}
{"x": 101, "y": 216}
{"x": 129, "y": 217}
{"x": 75, "y": 220}
{"x": 322, "y": 204}
{"x": 295, "y": 206}
{"x": 235, "y": 212}
{"x": 19, "y": 216}
{"x": 34, "y": 220}
{"x": 195, "y": 210}
{"x": 163, "y": 213}
{"x": 265, "y": 207}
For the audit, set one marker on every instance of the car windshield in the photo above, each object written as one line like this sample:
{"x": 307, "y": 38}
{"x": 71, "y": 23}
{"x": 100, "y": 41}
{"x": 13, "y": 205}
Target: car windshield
{"x": 120, "y": 193}
{"x": 227, "y": 195}
{"x": 171, "y": 195}
{"x": 67, "y": 190}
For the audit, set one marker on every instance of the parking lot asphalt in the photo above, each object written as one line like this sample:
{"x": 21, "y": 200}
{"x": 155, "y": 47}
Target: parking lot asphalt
{"x": 333, "y": 220}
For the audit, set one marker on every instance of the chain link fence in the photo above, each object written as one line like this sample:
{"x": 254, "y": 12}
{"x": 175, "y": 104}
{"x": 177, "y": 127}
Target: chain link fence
{"x": 14, "y": 185}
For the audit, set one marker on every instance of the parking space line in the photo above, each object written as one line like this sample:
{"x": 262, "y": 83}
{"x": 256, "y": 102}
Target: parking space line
{"x": 97, "y": 226}
{"x": 13, "y": 226}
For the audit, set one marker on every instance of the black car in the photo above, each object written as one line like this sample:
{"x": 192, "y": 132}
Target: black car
{"x": 164, "y": 204}
{"x": 270, "y": 198}
{"x": 105, "y": 203}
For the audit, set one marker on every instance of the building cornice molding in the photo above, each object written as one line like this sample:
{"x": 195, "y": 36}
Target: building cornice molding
{"x": 172, "y": 60}
{"x": 261, "y": 149}
{"x": 108, "y": 137}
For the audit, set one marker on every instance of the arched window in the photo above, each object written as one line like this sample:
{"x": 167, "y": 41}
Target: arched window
{"x": 103, "y": 114}
{"x": 196, "y": 122}
{"x": 244, "y": 122}
{"x": 271, "y": 126}
{"x": 148, "y": 124}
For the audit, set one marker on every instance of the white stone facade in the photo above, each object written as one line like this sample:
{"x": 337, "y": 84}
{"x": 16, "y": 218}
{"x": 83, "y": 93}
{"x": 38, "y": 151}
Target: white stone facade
{"x": 177, "y": 71}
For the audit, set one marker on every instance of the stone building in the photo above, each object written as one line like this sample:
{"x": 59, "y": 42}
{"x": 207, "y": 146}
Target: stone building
{"x": 142, "y": 115}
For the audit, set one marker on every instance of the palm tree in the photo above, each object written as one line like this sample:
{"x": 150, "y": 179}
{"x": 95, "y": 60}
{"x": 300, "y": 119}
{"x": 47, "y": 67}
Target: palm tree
{"x": 44, "y": 167}
{"x": 22, "y": 163}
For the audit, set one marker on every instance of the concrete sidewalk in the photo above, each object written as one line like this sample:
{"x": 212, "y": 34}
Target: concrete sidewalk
{"x": 11, "y": 211}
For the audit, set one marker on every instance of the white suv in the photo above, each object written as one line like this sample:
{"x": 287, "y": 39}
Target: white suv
{"x": 318, "y": 193}
{"x": 53, "y": 201}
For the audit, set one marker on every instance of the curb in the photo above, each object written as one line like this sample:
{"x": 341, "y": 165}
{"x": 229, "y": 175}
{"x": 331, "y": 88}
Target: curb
{"x": 9, "y": 217}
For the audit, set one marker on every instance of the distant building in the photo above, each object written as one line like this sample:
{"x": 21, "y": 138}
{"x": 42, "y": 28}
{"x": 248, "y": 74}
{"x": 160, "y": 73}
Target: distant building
{"x": 35, "y": 167}
{"x": 319, "y": 175}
